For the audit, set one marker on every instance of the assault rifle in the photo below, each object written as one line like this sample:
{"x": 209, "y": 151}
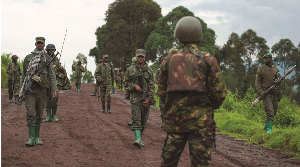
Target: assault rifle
{"x": 278, "y": 81}
{"x": 144, "y": 90}
{"x": 31, "y": 79}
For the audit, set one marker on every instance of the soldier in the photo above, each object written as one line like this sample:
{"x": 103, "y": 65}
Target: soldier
{"x": 35, "y": 101}
{"x": 62, "y": 83}
{"x": 120, "y": 76}
{"x": 266, "y": 74}
{"x": 14, "y": 72}
{"x": 191, "y": 86}
{"x": 97, "y": 83}
{"x": 139, "y": 81}
{"x": 79, "y": 69}
{"x": 105, "y": 77}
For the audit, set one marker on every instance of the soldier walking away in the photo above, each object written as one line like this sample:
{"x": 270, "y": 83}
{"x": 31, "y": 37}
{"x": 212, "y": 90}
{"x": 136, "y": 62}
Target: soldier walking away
{"x": 266, "y": 74}
{"x": 105, "y": 76}
{"x": 14, "y": 72}
{"x": 62, "y": 81}
{"x": 97, "y": 83}
{"x": 35, "y": 101}
{"x": 139, "y": 81}
{"x": 191, "y": 86}
{"x": 79, "y": 69}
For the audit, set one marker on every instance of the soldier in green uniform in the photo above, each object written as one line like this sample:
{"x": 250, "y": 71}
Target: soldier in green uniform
{"x": 78, "y": 70}
{"x": 105, "y": 76}
{"x": 266, "y": 74}
{"x": 127, "y": 95}
{"x": 62, "y": 84}
{"x": 139, "y": 81}
{"x": 35, "y": 101}
{"x": 120, "y": 77}
{"x": 191, "y": 86}
{"x": 14, "y": 72}
{"x": 97, "y": 83}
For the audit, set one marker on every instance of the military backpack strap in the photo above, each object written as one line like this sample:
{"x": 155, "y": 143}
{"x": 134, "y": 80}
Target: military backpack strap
{"x": 198, "y": 54}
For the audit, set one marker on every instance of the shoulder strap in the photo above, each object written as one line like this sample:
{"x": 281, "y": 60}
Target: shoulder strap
{"x": 198, "y": 54}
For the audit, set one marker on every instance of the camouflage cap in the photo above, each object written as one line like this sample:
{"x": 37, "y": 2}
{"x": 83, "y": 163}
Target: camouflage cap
{"x": 140, "y": 52}
{"x": 40, "y": 39}
{"x": 105, "y": 56}
{"x": 268, "y": 55}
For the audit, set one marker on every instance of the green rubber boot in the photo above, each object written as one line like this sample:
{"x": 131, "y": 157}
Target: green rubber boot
{"x": 269, "y": 126}
{"x": 48, "y": 119}
{"x": 54, "y": 110}
{"x": 113, "y": 90}
{"x": 31, "y": 141}
{"x": 37, "y": 135}
{"x": 142, "y": 144}
{"x": 137, "y": 142}
{"x": 78, "y": 88}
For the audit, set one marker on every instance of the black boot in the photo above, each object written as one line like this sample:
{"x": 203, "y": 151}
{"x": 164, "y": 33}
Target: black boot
{"x": 108, "y": 108}
{"x": 94, "y": 94}
{"x": 103, "y": 108}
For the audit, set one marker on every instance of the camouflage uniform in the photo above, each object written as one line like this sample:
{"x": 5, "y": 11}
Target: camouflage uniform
{"x": 190, "y": 85}
{"x": 120, "y": 77}
{"x": 161, "y": 105}
{"x": 14, "y": 72}
{"x": 79, "y": 69}
{"x": 105, "y": 76}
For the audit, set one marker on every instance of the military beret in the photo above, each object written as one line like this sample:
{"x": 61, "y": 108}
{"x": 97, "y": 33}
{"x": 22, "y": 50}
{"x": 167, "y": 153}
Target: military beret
{"x": 140, "y": 52}
{"x": 268, "y": 55}
{"x": 40, "y": 39}
{"x": 105, "y": 56}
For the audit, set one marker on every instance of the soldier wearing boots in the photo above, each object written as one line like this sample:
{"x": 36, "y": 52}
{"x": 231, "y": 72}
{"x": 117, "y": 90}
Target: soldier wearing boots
{"x": 62, "y": 84}
{"x": 191, "y": 86}
{"x": 78, "y": 70}
{"x": 139, "y": 81}
{"x": 97, "y": 83}
{"x": 105, "y": 77}
{"x": 35, "y": 101}
{"x": 264, "y": 79}
{"x": 14, "y": 72}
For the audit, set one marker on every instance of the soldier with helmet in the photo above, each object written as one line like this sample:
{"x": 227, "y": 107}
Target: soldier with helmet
{"x": 191, "y": 86}
{"x": 266, "y": 74}
{"x": 105, "y": 77}
{"x": 14, "y": 72}
{"x": 78, "y": 70}
{"x": 139, "y": 81}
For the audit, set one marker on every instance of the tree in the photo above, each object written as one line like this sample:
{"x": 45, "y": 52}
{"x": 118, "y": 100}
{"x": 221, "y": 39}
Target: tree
{"x": 282, "y": 53}
{"x": 128, "y": 25}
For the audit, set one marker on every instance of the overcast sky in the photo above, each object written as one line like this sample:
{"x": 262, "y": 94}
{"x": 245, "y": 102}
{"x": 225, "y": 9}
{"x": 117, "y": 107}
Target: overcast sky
{"x": 23, "y": 20}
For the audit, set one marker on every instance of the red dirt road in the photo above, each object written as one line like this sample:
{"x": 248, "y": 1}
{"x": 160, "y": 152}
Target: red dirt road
{"x": 86, "y": 137}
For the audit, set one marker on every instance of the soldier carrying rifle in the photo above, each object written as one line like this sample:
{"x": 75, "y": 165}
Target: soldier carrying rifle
{"x": 13, "y": 70}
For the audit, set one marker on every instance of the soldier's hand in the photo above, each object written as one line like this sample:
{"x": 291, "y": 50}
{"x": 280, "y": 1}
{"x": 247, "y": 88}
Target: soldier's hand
{"x": 54, "y": 94}
{"x": 146, "y": 103}
{"x": 138, "y": 88}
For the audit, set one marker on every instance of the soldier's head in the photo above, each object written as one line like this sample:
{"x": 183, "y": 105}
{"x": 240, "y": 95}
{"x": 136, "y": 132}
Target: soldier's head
{"x": 79, "y": 62}
{"x": 105, "y": 58}
{"x": 268, "y": 59}
{"x": 40, "y": 43}
{"x": 140, "y": 56}
{"x": 188, "y": 30}
{"x": 50, "y": 48}
{"x": 14, "y": 58}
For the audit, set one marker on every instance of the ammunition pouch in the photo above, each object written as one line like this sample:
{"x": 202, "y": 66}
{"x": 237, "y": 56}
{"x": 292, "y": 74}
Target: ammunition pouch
{"x": 39, "y": 80}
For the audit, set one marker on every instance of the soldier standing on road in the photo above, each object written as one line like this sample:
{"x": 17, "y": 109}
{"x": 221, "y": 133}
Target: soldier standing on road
{"x": 97, "y": 83}
{"x": 191, "y": 86}
{"x": 139, "y": 81}
{"x": 79, "y": 69}
{"x": 266, "y": 74}
{"x": 14, "y": 72}
{"x": 120, "y": 77}
{"x": 35, "y": 102}
{"x": 62, "y": 83}
{"x": 105, "y": 77}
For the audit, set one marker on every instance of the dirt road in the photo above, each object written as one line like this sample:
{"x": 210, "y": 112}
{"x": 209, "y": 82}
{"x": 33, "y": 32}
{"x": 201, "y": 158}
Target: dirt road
{"x": 86, "y": 137}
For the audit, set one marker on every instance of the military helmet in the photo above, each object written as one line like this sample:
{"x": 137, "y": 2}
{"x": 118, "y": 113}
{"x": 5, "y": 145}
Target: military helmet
{"x": 268, "y": 55}
{"x": 188, "y": 29}
{"x": 50, "y": 47}
{"x": 133, "y": 60}
{"x": 14, "y": 57}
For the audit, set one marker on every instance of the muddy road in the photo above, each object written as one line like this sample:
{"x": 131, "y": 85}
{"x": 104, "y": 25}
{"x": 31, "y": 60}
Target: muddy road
{"x": 86, "y": 137}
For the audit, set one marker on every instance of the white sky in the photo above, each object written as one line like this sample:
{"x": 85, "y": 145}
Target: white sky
{"x": 23, "y": 20}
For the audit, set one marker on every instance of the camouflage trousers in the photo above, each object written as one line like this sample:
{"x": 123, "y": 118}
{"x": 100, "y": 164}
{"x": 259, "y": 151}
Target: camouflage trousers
{"x": 35, "y": 104}
{"x": 139, "y": 116}
{"x": 270, "y": 105}
{"x": 78, "y": 81}
{"x": 200, "y": 144}
{"x": 50, "y": 102}
{"x": 105, "y": 93}
{"x": 13, "y": 87}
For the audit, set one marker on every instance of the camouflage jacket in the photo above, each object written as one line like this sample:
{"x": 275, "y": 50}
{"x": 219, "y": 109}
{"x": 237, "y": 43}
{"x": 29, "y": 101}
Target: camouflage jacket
{"x": 120, "y": 76}
{"x": 13, "y": 75}
{"x": 190, "y": 85}
{"x": 131, "y": 79}
{"x": 62, "y": 79}
{"x": 265, "y": 77}
{"x": 105, "y": 74}
{"x": 78, "y": 70}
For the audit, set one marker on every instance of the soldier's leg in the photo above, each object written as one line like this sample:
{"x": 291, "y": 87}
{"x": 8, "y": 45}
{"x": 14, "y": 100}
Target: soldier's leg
{"x": 30, "y": 118}
{"x": 95, "y": 90}
{"x": 275, "y": 104}
{"x": 103, "y": 92}
{"x": 172, "y": 149}
{"x": 108, "y": 97}
{"x": 10, "y": 90}
{"x": 200, "y": 146}
{"x": 48, "y": 106}
{"x": 54, "y": 107}
{"x": 136, "y": 125}
{"x": 79, "y": 83}
{"x": 16, "y": 89}
{"x": 268, "y": 106}
{"x": 76, "y": 83}
{"x": 39, "y": 106}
